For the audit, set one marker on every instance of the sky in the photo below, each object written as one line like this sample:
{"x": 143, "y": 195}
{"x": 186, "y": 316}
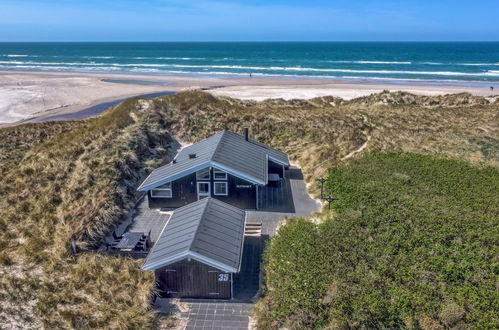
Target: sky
{"x": 245, "y": 20}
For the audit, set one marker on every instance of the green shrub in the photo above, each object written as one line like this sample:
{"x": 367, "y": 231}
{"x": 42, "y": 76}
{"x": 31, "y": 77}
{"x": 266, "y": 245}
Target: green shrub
{"x": 413, "y": 244}
{"x": 295, "y": 280}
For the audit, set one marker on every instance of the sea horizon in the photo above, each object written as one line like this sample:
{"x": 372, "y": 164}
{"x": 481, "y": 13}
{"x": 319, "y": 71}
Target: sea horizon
{"x": 474, "y": 63}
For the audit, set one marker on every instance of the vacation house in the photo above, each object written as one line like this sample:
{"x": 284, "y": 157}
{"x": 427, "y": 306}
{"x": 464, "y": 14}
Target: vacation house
{"x": 230, "y": 167}
{"x": 199, "y": 250}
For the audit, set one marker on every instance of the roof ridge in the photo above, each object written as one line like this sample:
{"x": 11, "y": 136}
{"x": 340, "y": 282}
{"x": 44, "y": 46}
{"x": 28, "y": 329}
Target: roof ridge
{"x": 258, "y": 143}
{"x": 222, "y": 133}
{"x": 208, "y": 201}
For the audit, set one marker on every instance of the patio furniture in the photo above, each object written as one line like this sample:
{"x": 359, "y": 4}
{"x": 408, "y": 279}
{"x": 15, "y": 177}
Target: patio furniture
{"x": 145, "y": 242}
{"x": 130, "y": 241}
{"x": 110, "y": 241}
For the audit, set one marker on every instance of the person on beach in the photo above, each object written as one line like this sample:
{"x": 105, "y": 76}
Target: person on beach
{"x": 250, "y": 75}
{"x": 491, "y": 88}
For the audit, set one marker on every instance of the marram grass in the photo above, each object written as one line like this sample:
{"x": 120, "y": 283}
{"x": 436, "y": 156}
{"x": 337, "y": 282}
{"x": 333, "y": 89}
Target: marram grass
{"x": 78, "y": 178}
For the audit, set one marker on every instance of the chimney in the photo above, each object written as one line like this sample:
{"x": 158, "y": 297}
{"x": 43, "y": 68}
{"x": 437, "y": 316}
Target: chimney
{"x": 192, "y": 156}
{"x": 246, "y": 133}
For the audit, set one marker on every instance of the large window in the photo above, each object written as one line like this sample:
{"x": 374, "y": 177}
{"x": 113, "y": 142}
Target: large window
{"x": 203, "y": 189}
{"x": 219, "y": 174}
{"x": 203, "y": 174}
{"x": 164, "y": 191}
{"x": 220, "y": 188}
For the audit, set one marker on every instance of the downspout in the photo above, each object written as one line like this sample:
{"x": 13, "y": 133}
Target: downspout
{"x": 231, "y": 286}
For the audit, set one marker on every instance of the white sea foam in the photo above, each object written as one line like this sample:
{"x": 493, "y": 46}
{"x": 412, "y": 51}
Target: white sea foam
{"x": 301, "y": 69}
{"x": 53, "y": 63}
{"x": 103, "y": 57}
{"x": 146, "y": 65}
{"x": 16, "y": 55}
{"x": 180, "y": 58}
{"x": 370, "y": 62}
{"x": 475, "y": 64}
{"x": 237, "y": 69}
{"x": 381, "y": 62}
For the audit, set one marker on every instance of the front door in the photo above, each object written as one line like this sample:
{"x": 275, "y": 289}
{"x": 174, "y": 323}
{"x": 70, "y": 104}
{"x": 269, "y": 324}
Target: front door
{"x": 203, "y": 189}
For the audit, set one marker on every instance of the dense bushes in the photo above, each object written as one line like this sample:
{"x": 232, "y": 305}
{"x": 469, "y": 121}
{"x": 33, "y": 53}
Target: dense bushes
{"x": 412, "y": 243}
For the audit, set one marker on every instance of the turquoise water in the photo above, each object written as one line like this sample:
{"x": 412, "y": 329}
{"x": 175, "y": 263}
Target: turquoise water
{"x": 397, "y": 61}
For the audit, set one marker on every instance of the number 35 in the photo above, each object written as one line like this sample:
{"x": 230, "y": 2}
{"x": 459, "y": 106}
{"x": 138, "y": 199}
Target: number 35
{"x": 223, "y": 277}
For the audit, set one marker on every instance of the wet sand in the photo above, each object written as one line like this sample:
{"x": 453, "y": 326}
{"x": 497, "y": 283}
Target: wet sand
{"x": 90, "y": 111}
{"x": 40, "y": 96}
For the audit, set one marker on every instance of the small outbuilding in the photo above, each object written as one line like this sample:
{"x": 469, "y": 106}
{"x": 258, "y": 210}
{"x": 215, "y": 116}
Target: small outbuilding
{"x": 199, "y": 250}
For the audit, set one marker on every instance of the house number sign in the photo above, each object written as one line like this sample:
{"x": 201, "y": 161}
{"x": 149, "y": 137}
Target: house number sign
{"x": 223, "y": 277}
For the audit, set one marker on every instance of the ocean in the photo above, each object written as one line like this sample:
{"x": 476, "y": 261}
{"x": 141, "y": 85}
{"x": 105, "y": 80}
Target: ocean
{"x": 438, "y": 62}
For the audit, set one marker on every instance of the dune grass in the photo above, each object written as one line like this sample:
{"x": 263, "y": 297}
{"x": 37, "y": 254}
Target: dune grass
{"x": 78, "y": 179}
{"x": 74, "y": 179}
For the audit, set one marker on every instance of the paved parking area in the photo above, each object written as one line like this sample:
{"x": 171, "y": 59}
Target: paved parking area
{"x": 207, "y": 314}
{"x": 218, "y": 315}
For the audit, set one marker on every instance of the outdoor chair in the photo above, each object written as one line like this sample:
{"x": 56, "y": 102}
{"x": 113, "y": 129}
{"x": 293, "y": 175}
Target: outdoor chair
{"x": 111, "y": 242}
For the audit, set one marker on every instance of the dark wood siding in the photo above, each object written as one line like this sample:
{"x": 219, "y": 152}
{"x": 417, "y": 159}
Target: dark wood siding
{"x": 242, "y": 193}
{"x": 183, "y": 193}
{"x": 193, "y": 279}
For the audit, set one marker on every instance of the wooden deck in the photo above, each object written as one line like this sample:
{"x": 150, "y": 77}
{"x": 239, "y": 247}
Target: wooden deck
{"x": 145, "y": 219}
{"x": 289, "y": 199}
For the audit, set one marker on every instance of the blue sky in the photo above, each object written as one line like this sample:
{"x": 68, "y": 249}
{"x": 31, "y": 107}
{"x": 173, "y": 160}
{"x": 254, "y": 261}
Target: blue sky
{"x": 244, "y": 20}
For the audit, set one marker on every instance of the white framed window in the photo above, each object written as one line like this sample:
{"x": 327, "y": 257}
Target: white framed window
{"x": 203, "y": 174}
{"x": 220, "y": 188}
{"x": 164, "y": 191}
{"x": 203, "y": 189}
{"x": 219, "y": 174}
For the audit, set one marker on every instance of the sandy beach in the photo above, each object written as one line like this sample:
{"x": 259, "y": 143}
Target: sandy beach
{"x": 27, "y": 95}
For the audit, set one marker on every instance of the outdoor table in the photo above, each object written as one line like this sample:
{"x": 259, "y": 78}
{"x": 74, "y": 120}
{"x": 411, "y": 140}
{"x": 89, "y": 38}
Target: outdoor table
{"x": 129, "y": 241}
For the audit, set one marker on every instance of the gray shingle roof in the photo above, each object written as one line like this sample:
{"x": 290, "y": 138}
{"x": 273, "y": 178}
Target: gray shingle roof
{"x": 209, "y": 231}
{"x": 227, "y": 151}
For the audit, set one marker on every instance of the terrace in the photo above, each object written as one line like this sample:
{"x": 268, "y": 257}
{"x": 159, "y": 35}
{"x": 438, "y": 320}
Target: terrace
{"x": 286, "y": 199}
